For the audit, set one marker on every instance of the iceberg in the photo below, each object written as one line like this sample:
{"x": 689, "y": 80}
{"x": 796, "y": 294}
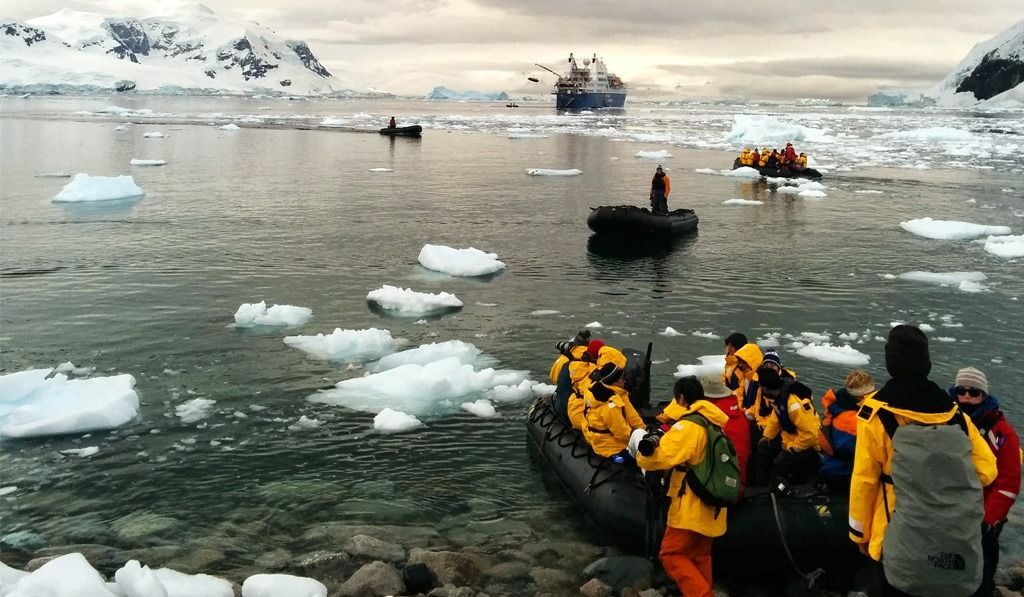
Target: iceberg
{"x": 39, "y": 402}
{"x": 347, "y": 346}
{"x": 840, "y": 355}
{"x": 951, "y": 229}
{"x": 253, "y": 314}
{"x": 459, "y": 262}
{"x": 550, "y": 172}
{"x": 405, "y": 301}
{"x": 443, "y": 93}
{"x": 98, "y": 188}
{"x": 763, "y": 130}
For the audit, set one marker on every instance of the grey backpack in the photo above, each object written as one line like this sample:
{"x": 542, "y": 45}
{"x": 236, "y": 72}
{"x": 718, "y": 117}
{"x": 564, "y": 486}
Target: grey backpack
{"x": 933, "y": 543}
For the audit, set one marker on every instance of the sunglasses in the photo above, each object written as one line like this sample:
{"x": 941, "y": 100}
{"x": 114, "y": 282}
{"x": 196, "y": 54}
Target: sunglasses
{"x": 972, "y": 392}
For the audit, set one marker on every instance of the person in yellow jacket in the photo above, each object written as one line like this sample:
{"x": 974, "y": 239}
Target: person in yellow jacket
{"x": 730, "y": 376}
{"x": 692, "y": 525}
{"x": 913, "y": 399}
{"x": 572, "y": 350}
{"x": 745, "y": 157}
{"x": 787, "y": 452}
{"x": 596, "y": 356}
{"x": 606, "y": 428}
{"x": 763, "y": 160}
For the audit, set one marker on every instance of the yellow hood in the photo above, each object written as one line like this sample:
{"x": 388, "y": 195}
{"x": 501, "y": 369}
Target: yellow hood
{"x": 709, "y": 411}
{"x": 751, "y": 355}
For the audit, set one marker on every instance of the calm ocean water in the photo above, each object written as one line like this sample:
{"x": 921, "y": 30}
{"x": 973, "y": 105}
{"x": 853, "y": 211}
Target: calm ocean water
{"x": 297, "y": 217}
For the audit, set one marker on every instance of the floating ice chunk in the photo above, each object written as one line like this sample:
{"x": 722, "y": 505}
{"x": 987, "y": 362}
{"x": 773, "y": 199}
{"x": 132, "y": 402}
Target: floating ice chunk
{"x": 304, "y": 422}
{"x": 33, "y": 405}
{"x": 935, "y": 133}
{"x": 99, "y": 188}
{"x": 815, "y": 337}
{"x": 481, "y": 408}
{"x": 945, "y": 339}
{"x": 526, "y": 135}
{"x": 543, "y": 312}
{"x": 743, "y": 172}
{"x": 924, "y": 327}
{"x": 418, "y": 389}
{"x": 515, "y": 392}
{"x": 349, "y": 346}
{"x": 154, "y": 135}
{"x": 381, "y": 170}
{"x": 842, "y": 355}
{"x": 787, "y": 190}
{"x": 405, "y": 301}
{"x": 971, "y": 286}
{"x": 66, "y": 576}
{"x": 120, "y": 127}
{"x": 950, "y": 229}
{"x": 742, "y": 202}
{"x": 768, "y": 130}
{"x": 6, "y": 491}
{"x": 53, "y": 175}
{"x": 81, "y": 452}
{"x": 542, "y": 389}
{"x": 705, "y": 171}
{"x": 459, "y": 262}
{"x": 138, "y": 162}
{"x": 69, "y": 367}
{"x": 552, "y": 172}
{"x": 712, "y": 364}
{"x": 869, "y": 192}
{"x": 252, "y": 314}
{"x": 1005, "y": 246}
{"x": 393, "y": 421}
{"x": 194, "y": 410}
{"x": 178, "y": 584}
{"x": 670, "y": 332}
{"x": 230, "y": 127}
{"x": 810, "y": 185}
{"x": 889, "y": 277}
{"x": 135, "y": 580}
{"x": 811, "y": 194}
{"x": 465, "y": 352}
{"x": 659, "y": 154}
{"x": 278, "y": 585}
{"x": 709, "y": 335}
{"x": 945, "y": 278}
{"x": 596, "y": 325}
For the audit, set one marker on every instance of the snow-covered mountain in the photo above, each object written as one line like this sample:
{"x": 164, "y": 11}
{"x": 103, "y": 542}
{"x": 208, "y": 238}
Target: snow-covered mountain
{"x": 991, "y": 75}
{"x": 190, "y": 50}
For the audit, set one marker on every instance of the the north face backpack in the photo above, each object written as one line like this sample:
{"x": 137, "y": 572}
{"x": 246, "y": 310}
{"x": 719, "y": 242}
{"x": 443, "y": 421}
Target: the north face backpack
{"x": 933, "y": 543}
{"x": 716, "y": 478}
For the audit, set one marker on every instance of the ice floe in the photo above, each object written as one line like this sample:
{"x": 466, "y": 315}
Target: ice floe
{"x": 465, "y": 352}
{"x": 481, "y": 408}
{"x": 950, "y": 229}
{"x": 965, "y": 281}
{"x": 841, "y": 355}
{"x": 660, "y": 154}
{"x": 194, "y": 410}
{"x": 348, "y": 346}
{"x": 253, "y": 314}
{"x": 381, "y": 170}
{"x": 459, "y": 262}
{"x": 140, "y": 162}
{"x": 81, "y": 452}
{"x": 154, "y": 135}
{"x": 405, "y": 301}
{"x": 596, "y": 325}
{"x": 552, "y": 172}
{"x": 69, "y": 367}
{"x": 757, "y": 129}
{"x": 1008, "y": 247}
{"x": 543, "y": 312}
{"x": 278, "y": 585}
{"x": 935, "y": 133}
{"x": 390, "y": 420}
{"x": 99, "y": 188}
{"x": 742, "y": 202}
{"x": 40, "y": 402}
{"x": 711, "y": 364}
{"x": 229, "y": 127}
{"x": 742, "y": 172}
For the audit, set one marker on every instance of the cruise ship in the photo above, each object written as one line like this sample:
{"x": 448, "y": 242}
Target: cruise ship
{"x": 588, "y": 86}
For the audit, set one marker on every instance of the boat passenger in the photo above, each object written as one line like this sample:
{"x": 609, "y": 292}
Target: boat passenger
{"x": 691, "y": 526}
{"x": 790, "y": 152}
{"x": 838, "y": 436}
{"x": 787, "y": 453}
{"x": 763, "y": 160}
{"x": 391, "y": 123}
{"x": 738, "y": 428}
{"x": 971, "y": 393}
{"x": 730, "y": 376}
{"x": 607, "y": 429}
{"x": 660, "y": 189}
{"x": 773, "y": 159}
{"x": 909, "y": 397}
{"x": 745, "y": 157}
{"x": 801, "y": 161}
{"x": 597, "y": 355}
{"x": 559, "y": 375}
{"x": 757, "y": 408}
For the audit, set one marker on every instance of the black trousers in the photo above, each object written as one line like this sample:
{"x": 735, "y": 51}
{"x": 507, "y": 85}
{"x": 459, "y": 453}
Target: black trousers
{"x": 773, "y": 464}
{"x": 659, "y": 203}
{"x": 990, "y": 551}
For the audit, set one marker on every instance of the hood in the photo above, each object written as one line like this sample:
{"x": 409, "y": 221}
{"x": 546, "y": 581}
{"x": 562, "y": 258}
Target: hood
{"x": 751, "y": 355}
{"x": 709, "y": 411}
{"x": 919, "y": 399}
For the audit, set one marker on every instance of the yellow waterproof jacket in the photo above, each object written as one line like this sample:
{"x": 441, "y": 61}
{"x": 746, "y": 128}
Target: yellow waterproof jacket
{"x": 606, "y": 428}
{"x": 562, "y": 360}
{"x": 684, "y": 445}
{"x": 672, "y": 412}
{"x": 750, "y": 354}
{"x": 873, "y": 457}
{"x": 804, "y": 428}
{"x": 745, "y": 156}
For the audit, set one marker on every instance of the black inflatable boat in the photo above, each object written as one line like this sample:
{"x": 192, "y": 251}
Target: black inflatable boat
{"x": 810, "y": 173}
{"x": 633, "y": 221}
{"x": 403, "y": 131}
{"x": 769, "y": 539}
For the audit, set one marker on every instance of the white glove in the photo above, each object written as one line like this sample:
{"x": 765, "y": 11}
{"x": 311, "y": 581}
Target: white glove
{"x": 634, "y": 441}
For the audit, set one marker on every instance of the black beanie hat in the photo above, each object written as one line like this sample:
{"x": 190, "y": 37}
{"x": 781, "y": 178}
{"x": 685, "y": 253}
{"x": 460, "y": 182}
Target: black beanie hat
{"x": 906, "y": 352}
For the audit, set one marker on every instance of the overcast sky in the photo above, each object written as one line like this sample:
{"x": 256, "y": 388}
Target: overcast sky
{"x": 662, "y": 48}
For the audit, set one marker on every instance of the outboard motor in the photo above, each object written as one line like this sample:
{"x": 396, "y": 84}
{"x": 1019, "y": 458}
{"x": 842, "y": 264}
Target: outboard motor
{"x": 638, "y": 376}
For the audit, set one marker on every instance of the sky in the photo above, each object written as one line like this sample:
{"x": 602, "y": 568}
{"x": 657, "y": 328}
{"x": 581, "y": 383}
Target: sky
{"x": 663, "y": 49}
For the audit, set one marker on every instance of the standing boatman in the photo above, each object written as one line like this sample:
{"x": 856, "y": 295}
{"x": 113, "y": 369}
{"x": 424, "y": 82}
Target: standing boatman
{"x": 660, "y": 188}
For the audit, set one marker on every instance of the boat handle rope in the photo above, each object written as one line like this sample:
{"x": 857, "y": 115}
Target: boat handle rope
{"x": 809, "y": 578}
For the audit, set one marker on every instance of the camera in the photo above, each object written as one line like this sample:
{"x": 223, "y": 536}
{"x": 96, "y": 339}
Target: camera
{"x": 564, "y": 347}
{"x": 650, "y": 442}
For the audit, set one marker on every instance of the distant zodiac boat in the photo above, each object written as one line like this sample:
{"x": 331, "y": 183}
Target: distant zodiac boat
{"x": 403, "y": 131}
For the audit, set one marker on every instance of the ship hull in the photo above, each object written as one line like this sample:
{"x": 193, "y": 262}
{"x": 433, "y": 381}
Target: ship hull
{"x": 589, "y": 100}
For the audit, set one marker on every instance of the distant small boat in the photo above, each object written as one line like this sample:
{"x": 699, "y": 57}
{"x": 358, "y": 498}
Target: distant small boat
{"x": 810, "y": 173}
{"x": 534, "y": 79}
{"x": 512, "y": 105}
{"x": 402, "y": 131}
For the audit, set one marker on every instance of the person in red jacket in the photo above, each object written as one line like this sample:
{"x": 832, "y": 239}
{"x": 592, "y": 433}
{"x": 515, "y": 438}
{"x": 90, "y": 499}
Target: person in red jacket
{"x": 971, "y": 393}
{"x": 738, "y": 428}
{"x": 790, "y": 153}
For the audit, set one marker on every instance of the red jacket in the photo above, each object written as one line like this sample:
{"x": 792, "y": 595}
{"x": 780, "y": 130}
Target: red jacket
{"x": 790, "y": 154}
{"x": 1002, "y": 438}
{"x": 737, "y": 430}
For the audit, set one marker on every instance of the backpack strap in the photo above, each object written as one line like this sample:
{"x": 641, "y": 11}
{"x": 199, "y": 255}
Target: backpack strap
{"x": 889, "y": 423}
{"x": 696, "y": 419}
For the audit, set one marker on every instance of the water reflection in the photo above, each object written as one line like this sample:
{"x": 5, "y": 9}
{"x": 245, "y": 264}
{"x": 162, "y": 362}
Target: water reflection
{"x": 602, "y": 247}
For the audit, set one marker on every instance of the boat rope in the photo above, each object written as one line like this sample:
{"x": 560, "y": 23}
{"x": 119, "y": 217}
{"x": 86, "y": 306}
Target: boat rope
{"x": 809, "y": 578}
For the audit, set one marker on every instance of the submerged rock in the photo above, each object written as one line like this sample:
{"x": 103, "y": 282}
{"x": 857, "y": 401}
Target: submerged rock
{"x": 596, "y": 588}
{"x": 621, "y": 571}
{"x": 448, "y": 566}
{"x": 375, "y": 579}
{"x": 373, "y": 548}
{"x": 146, "y": 528}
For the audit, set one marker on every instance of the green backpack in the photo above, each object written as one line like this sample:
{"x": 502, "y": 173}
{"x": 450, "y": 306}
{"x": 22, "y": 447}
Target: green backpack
{"x": 716, "y": 479}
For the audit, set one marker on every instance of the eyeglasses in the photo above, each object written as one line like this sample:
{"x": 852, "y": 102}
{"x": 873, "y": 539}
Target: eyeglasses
{"x": 972, "y": 392}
